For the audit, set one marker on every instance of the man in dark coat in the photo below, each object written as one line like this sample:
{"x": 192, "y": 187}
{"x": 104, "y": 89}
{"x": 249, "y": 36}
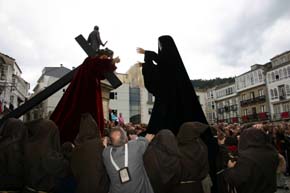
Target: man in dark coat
{"x": 162, "y": 162}
{"x": 94, "y": 39}
{"x": 12, "y": 140}
{"x": 255, "y": 169}
{"x": 175, "y": 99}
{"x": 87, "y": 163}
{"x": 43, "y": 161}
{"x": 194, "y": 158}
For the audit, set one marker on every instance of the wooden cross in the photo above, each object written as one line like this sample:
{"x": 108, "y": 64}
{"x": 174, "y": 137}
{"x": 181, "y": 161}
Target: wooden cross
{"x": 110, "y": 76}
{"x": 57, "y": 85}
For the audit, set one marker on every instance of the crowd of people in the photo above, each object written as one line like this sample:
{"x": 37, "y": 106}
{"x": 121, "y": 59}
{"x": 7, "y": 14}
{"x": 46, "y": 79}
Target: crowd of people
{"x": 251, "y": 158}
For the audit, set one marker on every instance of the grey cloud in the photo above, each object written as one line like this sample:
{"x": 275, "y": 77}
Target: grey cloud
{"x": 244, "y": 36}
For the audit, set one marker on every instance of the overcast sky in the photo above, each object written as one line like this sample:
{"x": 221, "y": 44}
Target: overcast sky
{"x": 216, "y": 38}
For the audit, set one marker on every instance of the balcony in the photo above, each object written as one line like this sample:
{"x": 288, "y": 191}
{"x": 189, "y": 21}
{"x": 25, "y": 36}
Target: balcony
{"x": 263, "y": 116}
{"x": 227, "y": 109}
{"x": 285, "y": 115}
{"x": 229, "y": 120}
{"x": 258, "y": 99}
{"x": 281, "y": 116}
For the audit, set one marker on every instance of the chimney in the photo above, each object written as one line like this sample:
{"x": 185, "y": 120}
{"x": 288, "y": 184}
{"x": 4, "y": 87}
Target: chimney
{"x": 61, "y": 65}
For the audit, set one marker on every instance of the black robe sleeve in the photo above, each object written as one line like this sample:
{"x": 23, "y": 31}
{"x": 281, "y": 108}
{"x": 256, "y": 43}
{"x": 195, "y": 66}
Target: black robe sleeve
{"x": 239, "y": 174}
{"x": 150, "y": 73}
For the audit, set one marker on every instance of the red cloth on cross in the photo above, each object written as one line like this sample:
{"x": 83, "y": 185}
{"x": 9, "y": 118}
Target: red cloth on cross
{"x": 82, "y": 96}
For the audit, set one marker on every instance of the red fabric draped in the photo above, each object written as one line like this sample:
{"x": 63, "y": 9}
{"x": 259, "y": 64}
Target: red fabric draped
{"x": 82, "y": 96}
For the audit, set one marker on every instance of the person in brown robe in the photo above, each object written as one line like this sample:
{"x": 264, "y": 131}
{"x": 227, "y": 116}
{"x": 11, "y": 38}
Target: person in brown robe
{"x": 255, "y": 169}
{"x": 43, "y": 161}
{"x": 194, "y": 158}
{"x": 162, "y": 162}
{"x": 87, "y": 164}
{"x": 12, "y": 139}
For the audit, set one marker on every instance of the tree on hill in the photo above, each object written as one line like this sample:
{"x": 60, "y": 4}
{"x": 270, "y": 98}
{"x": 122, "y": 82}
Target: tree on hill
{"x": 204, "y": 84}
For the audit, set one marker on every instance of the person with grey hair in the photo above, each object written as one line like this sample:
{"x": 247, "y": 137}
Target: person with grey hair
{"x": 94, "y": 39}
{"x": 124, "y": 163}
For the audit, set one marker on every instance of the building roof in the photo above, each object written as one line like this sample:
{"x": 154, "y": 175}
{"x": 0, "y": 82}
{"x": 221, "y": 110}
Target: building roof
{"x": 279, "y": 66}
{"x": 277, "y": 56}
{"x": 56, "y": 72}
{"x": 258, "y": 66}
{"x": 224, "y": 85}
{"x": 9, "y": 60}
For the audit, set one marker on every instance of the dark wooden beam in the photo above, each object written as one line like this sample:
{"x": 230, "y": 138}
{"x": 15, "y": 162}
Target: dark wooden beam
{"x": 41, "y": 96}
{"x": 111, "y": 77}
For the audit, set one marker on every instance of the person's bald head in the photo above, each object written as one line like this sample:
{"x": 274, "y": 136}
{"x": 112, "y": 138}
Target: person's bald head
{"x": 118, "y": 136}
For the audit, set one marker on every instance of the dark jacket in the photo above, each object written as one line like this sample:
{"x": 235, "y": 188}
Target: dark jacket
{"x": 162, "y": 162}
{"x": 255, "y": 170}
{"x": 43, "y": 161}
{"x": 12, "y": 140}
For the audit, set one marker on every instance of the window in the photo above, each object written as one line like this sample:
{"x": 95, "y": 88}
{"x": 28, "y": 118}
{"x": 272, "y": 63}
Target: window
{"x": 272, "y": 93}
{"x": 114, "y": 95}
{"x": 260, "y": 76}
{"x": 262, "y": 109}
{"x": 150, "y": 111}
{"x": 284, "y": 73}
{"x": 277, "y": 109}
{"x": 288, "y": 69}
{"x": 275, "y": 93}
{"x": 282, "y": 93}
{"x": 269, "y": 78}
{"x": 273, "y": 76}
{"x": 276, "y": 75}
{"x": 288, "y": 90}
{"x": 150, "y": 98}
{"x": 285, "y": 107}
{"x": 245, "y": 112}
{"x": 261, "y": 92}
{"x": 252, "y": 79}
{"x": 280, "y": 74}
{"x": 12, "y": 99}
{"x": 252, "y": 95}
{"x": 212, "y": 105}
{"x": 244, "y": 97}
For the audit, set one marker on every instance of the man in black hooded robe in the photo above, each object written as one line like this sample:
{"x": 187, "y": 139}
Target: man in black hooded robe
{"x": 175, "y": 99}
{"x": 87, "y": 161}
{"x": 255, "y": 169}
{"x": 12, "y": 139}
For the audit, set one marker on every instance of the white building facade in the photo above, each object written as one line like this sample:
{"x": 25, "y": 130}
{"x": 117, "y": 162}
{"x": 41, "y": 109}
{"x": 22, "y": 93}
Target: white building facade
{"x": 278, "y": 84}
{"x": 13, "y": 88}
{"x": 45, "y": 108}
{"x": 119, "y": 98}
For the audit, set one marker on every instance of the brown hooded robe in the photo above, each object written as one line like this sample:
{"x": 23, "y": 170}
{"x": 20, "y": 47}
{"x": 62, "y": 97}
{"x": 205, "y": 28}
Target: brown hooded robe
{"x": 87, "y": 164}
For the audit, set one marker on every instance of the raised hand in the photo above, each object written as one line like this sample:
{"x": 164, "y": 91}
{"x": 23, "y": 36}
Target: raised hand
{"x": 140, "y": 51}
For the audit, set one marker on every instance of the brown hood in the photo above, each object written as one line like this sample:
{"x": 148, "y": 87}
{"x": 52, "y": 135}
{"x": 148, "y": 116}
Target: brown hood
{"x": 88, "y": 129}
{"x": 194, "y": 153}
{"x": 190, "y": 131}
